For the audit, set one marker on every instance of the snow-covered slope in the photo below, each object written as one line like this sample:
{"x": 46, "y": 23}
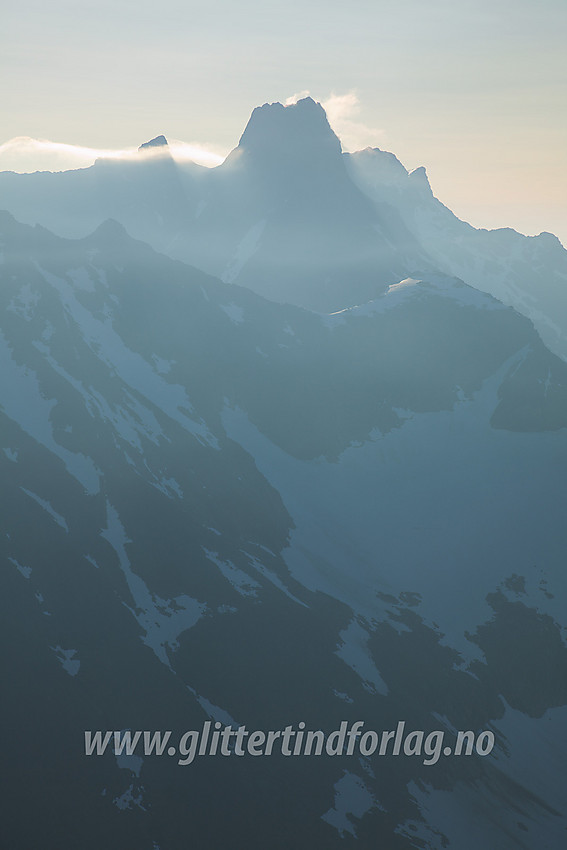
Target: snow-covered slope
{"x": 527, "y": 272}
{"x": 219, "y": 507}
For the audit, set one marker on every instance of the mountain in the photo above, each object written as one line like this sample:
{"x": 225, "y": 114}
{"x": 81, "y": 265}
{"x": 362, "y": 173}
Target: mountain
{"x": 149, "y": 194}
{"x": 216, "y": 507}
{"x": 527, "y": 272}
{"x": 280, "y": 215}
{"x": 294, "y": 219}
{"x": 157, "y": 145}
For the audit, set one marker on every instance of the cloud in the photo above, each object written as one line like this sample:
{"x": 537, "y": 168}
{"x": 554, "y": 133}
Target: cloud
{"x": 209, "y": 154}
{"x": 295, "y": 97}
{"x": 342, "y": 110}
{"x": 24, "y": 154}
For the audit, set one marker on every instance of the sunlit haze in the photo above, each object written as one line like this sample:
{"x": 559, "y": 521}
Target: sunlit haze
{"x": 23, "y": 154}
{"x": 474, "y": 91}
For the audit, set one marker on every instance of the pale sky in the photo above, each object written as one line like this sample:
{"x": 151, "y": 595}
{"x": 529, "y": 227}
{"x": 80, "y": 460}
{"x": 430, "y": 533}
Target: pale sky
{"x": 475, "y": 90}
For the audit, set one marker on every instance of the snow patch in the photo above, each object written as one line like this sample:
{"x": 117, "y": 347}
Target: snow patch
{"x": 354, "y": 652}
{"x": 81, "y": 279}
{"x": 398, "y": 293}
{"x": 343, "y": 696}
{"x": 24, "y": 403}
{"x": 217, "y": 714}
{"x": 91, "y": 560}
{"x": 163, "y": 621}
{"x": 387, "y": 518}
{"x": 234, "y": 312}
{"x": 25, "y": 571}
{"x": 352, "y": 799}
{"x": 47, "y": 507}
{"x": 128, "y": 365}
{"x": 162, "y": 366}
{"x": 127, "y": 800}
{"x": 272, "y": 577}
{"x": 65, "y": 656}
{"x": 23, "y": 304}
{"x": 133, "y": 763}
{"x": 240, "y": 580}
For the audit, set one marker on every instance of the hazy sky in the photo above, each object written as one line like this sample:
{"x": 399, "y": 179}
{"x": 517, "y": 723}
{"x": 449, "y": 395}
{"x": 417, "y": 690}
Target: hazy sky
{"x": 475, "y": 90}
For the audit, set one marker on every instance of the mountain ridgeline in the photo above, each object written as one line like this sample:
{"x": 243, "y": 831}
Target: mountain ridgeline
{"x": 296, "y": 220}
{"x": 282, "y": 442}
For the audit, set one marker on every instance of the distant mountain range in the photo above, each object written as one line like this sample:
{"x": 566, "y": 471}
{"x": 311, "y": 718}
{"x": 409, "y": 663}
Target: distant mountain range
{"x": 291, "y": 217}
{"x": 278, "y": 446}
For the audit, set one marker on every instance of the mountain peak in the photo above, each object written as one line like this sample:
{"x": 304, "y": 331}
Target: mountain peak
{"x": 158, "y": 142}
{"x": 420, "y": 180}
{"x": 110, "y": 232}
{"x": 302, "y": 128}
{"x": 378, "y": 167}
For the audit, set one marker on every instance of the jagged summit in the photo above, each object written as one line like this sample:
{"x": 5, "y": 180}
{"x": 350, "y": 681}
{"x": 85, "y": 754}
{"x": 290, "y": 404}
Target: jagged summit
{"x": 419, "y": 178}
{"x": 379, "y": 166}
{"x": 108, "y": 232}
{"x": 300, "y": 129}
{"x": 158, "y": 142}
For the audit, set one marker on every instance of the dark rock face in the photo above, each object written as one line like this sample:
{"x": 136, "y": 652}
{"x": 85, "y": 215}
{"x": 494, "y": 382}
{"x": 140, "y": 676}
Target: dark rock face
{"x": 158, "y": 142}
{"x": 277, "y": 134}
